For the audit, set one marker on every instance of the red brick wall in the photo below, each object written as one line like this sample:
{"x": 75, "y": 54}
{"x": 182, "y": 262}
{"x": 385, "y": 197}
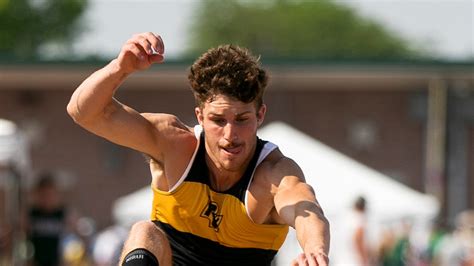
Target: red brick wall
{"x": 328, "y": 117}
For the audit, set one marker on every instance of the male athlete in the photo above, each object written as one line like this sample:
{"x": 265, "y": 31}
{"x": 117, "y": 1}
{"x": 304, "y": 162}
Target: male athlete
{"x": 222, "y": 196}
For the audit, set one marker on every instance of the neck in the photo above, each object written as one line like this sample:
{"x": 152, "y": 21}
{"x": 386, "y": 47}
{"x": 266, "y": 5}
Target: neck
{"x": 222, "y": 180}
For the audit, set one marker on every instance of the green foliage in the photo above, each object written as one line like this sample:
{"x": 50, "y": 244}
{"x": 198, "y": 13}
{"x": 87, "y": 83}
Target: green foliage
{"x": 27, "y": 24}
{"x": 294, "y": 29}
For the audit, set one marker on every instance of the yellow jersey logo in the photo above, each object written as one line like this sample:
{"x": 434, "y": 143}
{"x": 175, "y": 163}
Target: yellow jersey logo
{"x": 211, "y": 212}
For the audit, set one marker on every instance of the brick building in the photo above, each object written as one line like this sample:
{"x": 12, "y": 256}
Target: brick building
{"x": 413, "y": 122}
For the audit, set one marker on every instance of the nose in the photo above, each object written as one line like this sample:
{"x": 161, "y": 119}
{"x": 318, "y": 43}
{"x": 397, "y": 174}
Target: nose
{"x": 230, "y": 133}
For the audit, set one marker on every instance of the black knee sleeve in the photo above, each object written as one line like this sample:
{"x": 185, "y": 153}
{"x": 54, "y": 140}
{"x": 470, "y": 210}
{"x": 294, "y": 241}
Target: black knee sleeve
{"x": 140, "y": 257}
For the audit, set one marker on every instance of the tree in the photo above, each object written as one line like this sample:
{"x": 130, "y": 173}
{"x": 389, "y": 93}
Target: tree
{"x": 25, "y": 25}
{"x": 298, "y": 29}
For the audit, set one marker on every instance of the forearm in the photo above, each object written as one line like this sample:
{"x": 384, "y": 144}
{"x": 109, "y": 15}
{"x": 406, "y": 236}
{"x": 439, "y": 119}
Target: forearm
{"x": 94, "y": 95}
{"x": 312, "y": 230}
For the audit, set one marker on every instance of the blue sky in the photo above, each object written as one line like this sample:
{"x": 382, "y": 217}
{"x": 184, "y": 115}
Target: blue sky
{"x": 445, "y": 27}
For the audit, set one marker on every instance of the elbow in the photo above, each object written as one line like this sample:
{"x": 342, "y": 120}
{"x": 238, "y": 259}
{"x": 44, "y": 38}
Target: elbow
{"x": 87, "y": 118}
{"x": 72, "y": 110}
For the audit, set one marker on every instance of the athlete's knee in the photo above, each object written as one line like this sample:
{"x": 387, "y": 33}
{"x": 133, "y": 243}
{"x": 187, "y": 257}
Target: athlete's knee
{"x": 143, "y": 227}
{"x": 148, "y": 229}
{"x": 147, "y": 236}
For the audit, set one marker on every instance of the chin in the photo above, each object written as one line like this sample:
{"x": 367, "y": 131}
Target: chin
{"x": 231, "y": 165}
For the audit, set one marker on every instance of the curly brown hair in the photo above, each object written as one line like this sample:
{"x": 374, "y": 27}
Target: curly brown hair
{"x": 229, "y": 70}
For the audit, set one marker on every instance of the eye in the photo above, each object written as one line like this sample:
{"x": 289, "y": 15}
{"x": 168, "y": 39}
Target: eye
{"x": 241, "y": 119}
{"x": 219, "y": 121}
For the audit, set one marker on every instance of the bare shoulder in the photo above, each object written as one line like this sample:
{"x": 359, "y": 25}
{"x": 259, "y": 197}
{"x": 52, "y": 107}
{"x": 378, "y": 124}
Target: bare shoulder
{"x": 276, "y": 168}
{"x": 276, "y": 174}
{"x": 162, "y": 120}
{"x": 170, "y": 132}
{"x": 168, "y": 124}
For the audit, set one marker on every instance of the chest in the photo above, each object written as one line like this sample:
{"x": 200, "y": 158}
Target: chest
{"x": 46, "y": 224}
{"x": 259, "y": 201}
{"x": 196, "y": 209}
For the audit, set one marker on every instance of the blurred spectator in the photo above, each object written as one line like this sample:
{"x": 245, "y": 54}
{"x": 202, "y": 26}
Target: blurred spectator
{"x": 355, "y": 251}
{"x": 395, "y": 248}
{"x": 457, "y": 249}
{"x": 433, "y": 246}
{"x": 402, "y": 253}
{"x": 47, "y": 222}
{"x": 385, "y": 247}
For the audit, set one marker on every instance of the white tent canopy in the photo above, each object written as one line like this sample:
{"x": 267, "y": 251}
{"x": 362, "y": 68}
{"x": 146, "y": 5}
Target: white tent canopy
{"x": 336, "y": 178}
{"x": 133, "y": 207}
{"x": 8, "y": 140}
{"x": 13, "y": 145}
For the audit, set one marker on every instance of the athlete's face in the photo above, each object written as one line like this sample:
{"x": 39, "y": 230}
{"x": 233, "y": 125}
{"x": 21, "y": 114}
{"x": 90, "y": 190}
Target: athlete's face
{"x": 48, "y": 197}
{"x": 230, "y": 128}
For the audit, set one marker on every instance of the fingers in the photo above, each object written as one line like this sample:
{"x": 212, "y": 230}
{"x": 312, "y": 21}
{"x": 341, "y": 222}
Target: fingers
{"x": 151, "y": 43}
{"x": 136, "y": 50}
{"x": 140, "y": 52}
{"x": 299, "y": 261}
{"x": 156, "y": 42}
{"x": 148, "y": 42}
{"x": 294, "y": 262}
{"x": 156, "y": 58}
{"x": 311, "y": 260}
{"x": 147, "y": 46}
{"x": 144, "y": 44}
{"x": 322, "y": 260}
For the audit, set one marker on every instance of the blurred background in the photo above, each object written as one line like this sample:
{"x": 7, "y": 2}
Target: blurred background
{"x": 378, "y": 94}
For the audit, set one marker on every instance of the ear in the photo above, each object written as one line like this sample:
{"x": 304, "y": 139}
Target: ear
{"x": 199, "y": 115}
{"x": 261, "y": 114}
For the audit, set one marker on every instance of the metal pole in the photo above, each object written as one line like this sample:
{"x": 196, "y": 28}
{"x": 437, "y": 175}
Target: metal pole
{"x": 436, "y": 140}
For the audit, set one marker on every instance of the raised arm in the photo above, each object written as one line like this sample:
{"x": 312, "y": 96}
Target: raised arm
{"x": 93, "y": 106}
{"x": 296, "y": 204}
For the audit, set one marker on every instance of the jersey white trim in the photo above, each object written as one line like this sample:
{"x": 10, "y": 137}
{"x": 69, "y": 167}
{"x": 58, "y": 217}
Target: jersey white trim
{"x": 197, "y": 133}
{"x": 266, "y": 150}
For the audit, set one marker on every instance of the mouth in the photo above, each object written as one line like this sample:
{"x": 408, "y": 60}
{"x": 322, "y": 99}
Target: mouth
{"x": 233, "y": 150}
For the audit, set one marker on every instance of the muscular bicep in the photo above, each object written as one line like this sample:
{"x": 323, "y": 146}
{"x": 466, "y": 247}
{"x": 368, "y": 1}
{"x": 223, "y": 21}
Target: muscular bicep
{"x": 295, "y": 198}
{"x": 125, "y": 126}
{"x": 296, "y": 201}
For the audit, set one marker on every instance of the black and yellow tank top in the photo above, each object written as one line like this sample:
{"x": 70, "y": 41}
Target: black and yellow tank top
{"x": 206, "y": 227}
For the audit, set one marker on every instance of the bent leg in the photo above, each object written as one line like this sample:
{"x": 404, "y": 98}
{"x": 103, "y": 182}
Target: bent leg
{"x": 146, "y": 235}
